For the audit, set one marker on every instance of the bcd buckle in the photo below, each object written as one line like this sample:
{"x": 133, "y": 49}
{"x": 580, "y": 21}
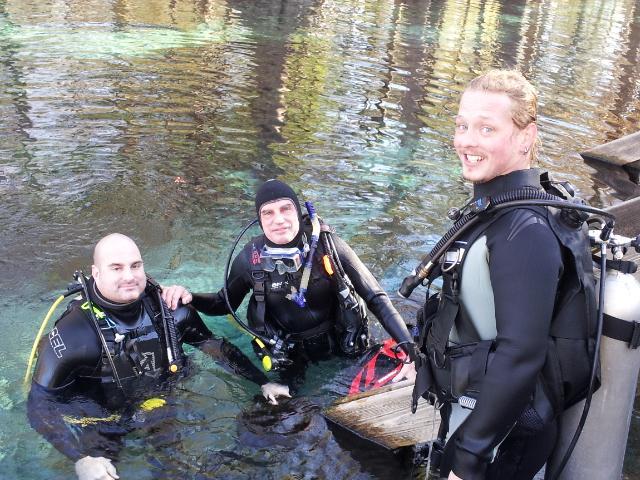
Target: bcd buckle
{"x": 259, "y": 286}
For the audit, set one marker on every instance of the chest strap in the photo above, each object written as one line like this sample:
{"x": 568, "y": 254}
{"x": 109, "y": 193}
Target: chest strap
{"x": 260, "y": 294}
{"x": 324, "y": 327}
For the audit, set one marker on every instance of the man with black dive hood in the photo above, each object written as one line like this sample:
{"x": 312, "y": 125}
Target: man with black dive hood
{"x": 274, "y": 265}
{"x": 490, "y": 344}
{"x": 84, "y": 397}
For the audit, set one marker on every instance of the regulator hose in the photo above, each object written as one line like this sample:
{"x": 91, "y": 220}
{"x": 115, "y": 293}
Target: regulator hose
{"x": 225, "y": 289}
{"x": 70, "y": 291}
{"x": 480, "y": 208}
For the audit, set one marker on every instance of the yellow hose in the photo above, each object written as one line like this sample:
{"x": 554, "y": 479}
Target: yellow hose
{"x": 267, "y": 364}
{"x": 37, "y": 339}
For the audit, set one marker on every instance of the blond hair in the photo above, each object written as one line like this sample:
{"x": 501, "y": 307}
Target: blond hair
{"x": 523, "y": 96}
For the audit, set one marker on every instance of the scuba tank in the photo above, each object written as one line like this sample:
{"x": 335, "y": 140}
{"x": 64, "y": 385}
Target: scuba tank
{"x": 599, "y": 452}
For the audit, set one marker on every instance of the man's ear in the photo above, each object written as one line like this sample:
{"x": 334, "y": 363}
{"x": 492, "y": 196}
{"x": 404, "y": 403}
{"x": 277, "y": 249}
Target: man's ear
{"x": 94, "y": 271}
{"x": 530, "y": 135}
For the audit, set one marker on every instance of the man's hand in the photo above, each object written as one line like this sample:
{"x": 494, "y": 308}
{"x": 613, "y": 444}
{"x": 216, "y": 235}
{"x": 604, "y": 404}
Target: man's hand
{"x": 407, "y": 371}
{"x": 174, "y": 294}
{"x": 95, "y": 468}
{"x": 272, "y": 390}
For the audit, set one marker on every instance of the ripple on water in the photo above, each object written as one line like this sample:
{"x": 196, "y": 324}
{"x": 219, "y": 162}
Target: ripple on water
{"x": 160, "y": 123}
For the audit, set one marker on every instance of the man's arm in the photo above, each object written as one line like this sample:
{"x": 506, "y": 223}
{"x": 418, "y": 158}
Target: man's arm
{"x": 193, "y": 331}
{"x": 371, "y": 292}
{"x": 214, "y": 303}
{"x": 72, "y": 422}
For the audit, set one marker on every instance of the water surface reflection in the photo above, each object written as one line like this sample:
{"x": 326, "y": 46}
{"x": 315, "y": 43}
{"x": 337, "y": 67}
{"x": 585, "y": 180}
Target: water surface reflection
{"x": 159, "y": 118}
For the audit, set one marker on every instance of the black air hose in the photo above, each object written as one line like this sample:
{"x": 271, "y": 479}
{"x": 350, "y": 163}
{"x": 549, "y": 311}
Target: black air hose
{"x": 479, "y": 210}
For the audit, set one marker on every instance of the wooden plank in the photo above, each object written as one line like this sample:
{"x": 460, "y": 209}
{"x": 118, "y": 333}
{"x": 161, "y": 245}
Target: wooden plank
{"x": 619, "y": 179}
{"x": 623, "y": 152}
{"x": 384, "y": 416}
{"x": 618, "y": 152}
{"x": 627, "y": 217}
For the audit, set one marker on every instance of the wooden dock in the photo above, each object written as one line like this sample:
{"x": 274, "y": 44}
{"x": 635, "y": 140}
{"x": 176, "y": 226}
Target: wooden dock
{"x": 383, "y": 416}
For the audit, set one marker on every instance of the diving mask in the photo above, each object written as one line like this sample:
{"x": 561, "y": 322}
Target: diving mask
{"x": 285, "y": 260}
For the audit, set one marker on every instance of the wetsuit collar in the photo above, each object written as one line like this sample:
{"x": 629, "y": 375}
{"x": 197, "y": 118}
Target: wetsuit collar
{"x": 511, "y": 181}
{"x": 127, "y": 313}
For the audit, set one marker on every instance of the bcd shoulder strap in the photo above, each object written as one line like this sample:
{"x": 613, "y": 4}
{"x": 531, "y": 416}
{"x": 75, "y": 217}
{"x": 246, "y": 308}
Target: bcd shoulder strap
{"x": 434, "y": 336}
{"x": 449, "y": 307}
{"x": 259, "y": 293}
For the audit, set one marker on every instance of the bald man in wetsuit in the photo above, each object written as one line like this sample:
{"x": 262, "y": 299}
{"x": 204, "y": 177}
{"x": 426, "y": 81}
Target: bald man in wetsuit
{"x": 84, "y": 399}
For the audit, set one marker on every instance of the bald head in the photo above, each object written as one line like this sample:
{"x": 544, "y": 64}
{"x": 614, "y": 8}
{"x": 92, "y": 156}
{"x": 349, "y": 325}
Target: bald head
{"x": 118, "y": 269}
{"x": 110, "y": 244}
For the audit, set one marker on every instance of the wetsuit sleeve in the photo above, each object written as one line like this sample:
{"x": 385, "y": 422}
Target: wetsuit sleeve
{"x": 525, "y": 264}
{"x": 192, "y": 330}
{"x": 55, "y": 407}
{"x": 75, "y": 425}
{"x": 232, "y": 359}
{"x": 371, "y": 292}
{"x": 239, "y": 286}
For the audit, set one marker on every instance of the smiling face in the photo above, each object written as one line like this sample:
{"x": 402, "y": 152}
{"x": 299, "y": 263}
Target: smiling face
{"x": 279, "y": 221}
{"x": 487, "y": 140}
{"x": 118, "y": 269}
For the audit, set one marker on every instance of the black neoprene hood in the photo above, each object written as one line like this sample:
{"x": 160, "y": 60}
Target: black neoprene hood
{"x": 274, "y": 190}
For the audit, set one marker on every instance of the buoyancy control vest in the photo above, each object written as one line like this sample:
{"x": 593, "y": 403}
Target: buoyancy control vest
{"x": 138, "y": 354}
{"x": 348, "y": 320}
{"x": 453, "y": 373}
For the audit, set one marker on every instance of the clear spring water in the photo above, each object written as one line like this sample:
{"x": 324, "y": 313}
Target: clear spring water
{"x": 158, "y": 119}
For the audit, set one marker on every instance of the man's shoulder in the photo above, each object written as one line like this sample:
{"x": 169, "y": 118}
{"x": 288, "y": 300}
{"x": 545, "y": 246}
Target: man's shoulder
{"x": 75, "y": 326}
{"x": 71, "y": 344}
{"x": 76, "y": 315}
{"x": 521, "y": 222}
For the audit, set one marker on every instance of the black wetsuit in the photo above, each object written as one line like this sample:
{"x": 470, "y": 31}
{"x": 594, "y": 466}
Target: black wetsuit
{"x": 311, "y": 327}
{"x": 74, "y": 400}
{"x": 508, "y": 292}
